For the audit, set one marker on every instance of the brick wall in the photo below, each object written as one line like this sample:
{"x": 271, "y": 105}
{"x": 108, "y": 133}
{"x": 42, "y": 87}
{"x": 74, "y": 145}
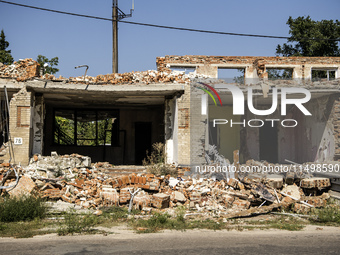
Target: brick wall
{"x": 183, "y": 104}
{"x": 20, "y": 126}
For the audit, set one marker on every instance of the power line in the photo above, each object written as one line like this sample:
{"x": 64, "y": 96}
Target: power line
{"x": 167, "y": 27}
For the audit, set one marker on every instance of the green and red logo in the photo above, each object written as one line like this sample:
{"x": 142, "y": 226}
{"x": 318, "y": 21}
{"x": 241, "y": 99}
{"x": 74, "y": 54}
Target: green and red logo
{"x": 209, "y": 93}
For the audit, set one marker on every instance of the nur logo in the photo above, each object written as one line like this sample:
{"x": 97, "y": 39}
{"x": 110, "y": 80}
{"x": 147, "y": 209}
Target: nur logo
{"x": 209, "y": 93}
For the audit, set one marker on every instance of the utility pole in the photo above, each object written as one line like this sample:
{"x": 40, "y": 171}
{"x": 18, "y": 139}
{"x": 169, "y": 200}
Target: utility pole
{"x": 117, "y": 15}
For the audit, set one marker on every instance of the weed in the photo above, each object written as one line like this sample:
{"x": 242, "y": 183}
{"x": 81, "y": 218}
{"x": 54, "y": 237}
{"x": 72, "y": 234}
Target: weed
{"x": 157, "y": 222}
{"x": 206, "y": 224}
{"x": 22, "y": 208}
{"x": 155, "y": 162}
{"x": 114, "y": 212}
{"x": 77, "y": 223}
{"x": 180, "y": 213}
{"x": 23, "y": 229}
{"x": 329, "y": 214}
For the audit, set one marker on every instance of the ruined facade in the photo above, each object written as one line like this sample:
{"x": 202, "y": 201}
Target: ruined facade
{"x": 314, "y": 139}
{"x": 117, "y": 117}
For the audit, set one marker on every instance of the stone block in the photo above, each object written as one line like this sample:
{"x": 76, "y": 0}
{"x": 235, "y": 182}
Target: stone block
{"x": 25, "y": 186}
{"x": 160, "y": 200}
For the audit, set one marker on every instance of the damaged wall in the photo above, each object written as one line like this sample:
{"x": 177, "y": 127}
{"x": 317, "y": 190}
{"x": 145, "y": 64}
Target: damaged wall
{"x": 229, "y": 137}
{"x": 312, "y": 140}
{"x": 38, "y": 123}
{"x": 255, "y": 67}
{"x": 199, "y": 138}
{"x": 171, "y": 130}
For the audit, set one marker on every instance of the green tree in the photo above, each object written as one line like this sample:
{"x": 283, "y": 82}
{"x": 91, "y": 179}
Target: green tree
{"x": 48, "y": 64}
{"x": 302, "y": 28}
{"x": 5, "y": 55}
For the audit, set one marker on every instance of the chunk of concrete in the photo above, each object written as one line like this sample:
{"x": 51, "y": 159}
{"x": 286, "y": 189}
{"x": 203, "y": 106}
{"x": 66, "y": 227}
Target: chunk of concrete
{"x": 25, "y": 186}
{"x": 293, "y": 191}
{"x": 179, "y": 197}
{"x": 315, "y": 182}
{"x": 275, "y": 181}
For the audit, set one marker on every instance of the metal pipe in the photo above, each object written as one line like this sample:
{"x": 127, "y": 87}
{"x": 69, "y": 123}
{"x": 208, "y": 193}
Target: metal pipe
{"x": 87, "y": 67}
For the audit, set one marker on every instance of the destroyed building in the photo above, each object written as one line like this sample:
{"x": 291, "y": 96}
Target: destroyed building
{"x": 117, "y": 117}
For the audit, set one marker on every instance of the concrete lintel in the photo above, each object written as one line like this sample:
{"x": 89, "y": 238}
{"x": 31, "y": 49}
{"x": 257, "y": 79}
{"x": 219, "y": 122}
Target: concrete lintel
{"x": 11, "y": 84}
{"x": 281, "y": 66}
{"x": 184, "y": 65}
{"x": 232, "y": 66}
{"x": 161, "y": 89}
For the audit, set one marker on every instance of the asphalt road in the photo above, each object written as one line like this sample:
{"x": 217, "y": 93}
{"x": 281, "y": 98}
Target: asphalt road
{"x": 309, "y": 241}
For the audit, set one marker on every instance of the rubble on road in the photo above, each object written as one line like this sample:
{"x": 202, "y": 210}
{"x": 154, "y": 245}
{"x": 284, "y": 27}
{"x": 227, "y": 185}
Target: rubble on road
{"x": 74, "y": 180}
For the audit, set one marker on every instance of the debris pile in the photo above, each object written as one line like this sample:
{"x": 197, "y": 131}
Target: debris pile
{"x": 22, "y": 70}
{"x": 146, "y": 77}
{"x": 73, "y": 179}
{"x": 28, "y": 69}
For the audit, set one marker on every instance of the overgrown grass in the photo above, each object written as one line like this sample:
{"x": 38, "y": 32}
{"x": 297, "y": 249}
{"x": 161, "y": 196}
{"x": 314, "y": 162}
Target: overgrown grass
{"x": 160, "y": 221}
{"x": 77, "y": 223}
{"x": 157, "y": 222}
{"x": 23, "y": 217}
{"x": 280, "y": 222}
{"x": 329, "y": 215}
{"x": 24, "y": 208}
{"x": 24, "y": 229}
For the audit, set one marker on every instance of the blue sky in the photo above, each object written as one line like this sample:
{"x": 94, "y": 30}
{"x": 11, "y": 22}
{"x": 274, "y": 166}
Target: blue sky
{"x": 78, "y": 41}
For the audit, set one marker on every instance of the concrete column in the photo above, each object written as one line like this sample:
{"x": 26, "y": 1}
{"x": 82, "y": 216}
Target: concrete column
{"x": 171, "y": 131}
{"x": 337, "y": 73}
{"x": 38, "y": 124}
{"x": 183, "y": 127}
{"x": 298, "y": 72}
{"x": 250, "y": 75}
{"x": 308, "y": 72}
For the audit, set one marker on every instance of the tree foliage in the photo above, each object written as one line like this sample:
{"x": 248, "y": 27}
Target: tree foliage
{"x": 302, "y": 28}
{"x": 49, "y": 65}
{"x": 5, "y": 55}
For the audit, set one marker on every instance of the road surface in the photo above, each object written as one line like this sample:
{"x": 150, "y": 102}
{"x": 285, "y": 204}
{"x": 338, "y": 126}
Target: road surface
{"x": 312, "y": 240}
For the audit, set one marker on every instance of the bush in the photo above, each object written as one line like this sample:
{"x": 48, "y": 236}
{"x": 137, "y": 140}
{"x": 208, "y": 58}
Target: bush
{"x": 155, "y": 162}
{"x": 22, "y": 208}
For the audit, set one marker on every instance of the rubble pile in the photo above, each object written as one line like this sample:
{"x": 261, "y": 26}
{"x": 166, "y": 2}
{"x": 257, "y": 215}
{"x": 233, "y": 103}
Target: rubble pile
{"x": 27, "y": 69}
{"x": 73, "y": 179}
{"x": 145, "y": 77}
{"x": 22, "y": 70}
